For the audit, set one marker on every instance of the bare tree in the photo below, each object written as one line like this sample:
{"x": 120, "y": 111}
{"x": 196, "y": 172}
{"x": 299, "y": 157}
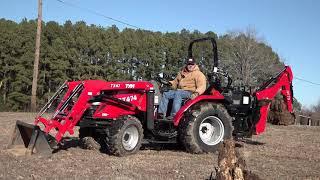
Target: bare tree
{"x": 248, "y": 57}
{"x": 312, "y": 112}
{"x": 316, "y": 111}
{"x": 316, "y": 108}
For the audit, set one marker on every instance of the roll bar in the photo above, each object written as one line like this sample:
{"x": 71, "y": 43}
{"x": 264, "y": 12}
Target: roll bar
{"x": 214, "y": 49}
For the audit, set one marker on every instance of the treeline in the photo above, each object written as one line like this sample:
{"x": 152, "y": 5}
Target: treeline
{"x": 80, "y": 51}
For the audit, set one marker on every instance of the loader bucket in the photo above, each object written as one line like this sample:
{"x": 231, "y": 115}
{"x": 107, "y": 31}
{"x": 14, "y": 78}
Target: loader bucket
{"x": 30, "y": 138}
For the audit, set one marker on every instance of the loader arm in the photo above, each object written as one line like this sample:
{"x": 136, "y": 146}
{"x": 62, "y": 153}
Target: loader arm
{"x": 68, "y": 112}
{"x": 266, "y": 93}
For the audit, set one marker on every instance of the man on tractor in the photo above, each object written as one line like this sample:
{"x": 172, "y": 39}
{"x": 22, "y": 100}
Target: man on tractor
{"x": 189, "y": 83}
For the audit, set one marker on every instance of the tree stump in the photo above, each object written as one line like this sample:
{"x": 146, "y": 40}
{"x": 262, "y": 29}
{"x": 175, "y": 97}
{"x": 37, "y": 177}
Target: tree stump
{"x": 231, "y": 166}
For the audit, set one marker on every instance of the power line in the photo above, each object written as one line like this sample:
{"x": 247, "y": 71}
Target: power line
{"x": 97, "y": 13}
{"x": 125, "y": 23}
{"x": 307, "y": 81}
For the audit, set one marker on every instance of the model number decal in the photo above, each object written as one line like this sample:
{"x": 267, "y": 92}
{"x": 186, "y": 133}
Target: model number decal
{"x": 115, "y": 85}
{"x": 129, "y": 98}
{"x": 130, "y": 86}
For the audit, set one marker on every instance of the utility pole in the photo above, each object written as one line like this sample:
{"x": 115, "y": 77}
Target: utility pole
{"x": 36, "y": 60}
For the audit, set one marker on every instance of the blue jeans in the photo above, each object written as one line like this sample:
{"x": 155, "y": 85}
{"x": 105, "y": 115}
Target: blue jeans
{"x": 177, "y": 96}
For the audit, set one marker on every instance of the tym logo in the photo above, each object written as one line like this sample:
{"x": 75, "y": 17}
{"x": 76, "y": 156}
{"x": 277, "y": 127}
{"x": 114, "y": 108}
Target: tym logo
{"x": 130, "y": 86}
{"x": 115, "y": 85}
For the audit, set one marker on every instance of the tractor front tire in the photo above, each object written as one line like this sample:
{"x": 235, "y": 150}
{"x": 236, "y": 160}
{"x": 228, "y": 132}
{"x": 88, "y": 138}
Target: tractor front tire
{"x": 85, "y": 132}
{"x": 88, "y": 139}
{"x": 204, "y": 129}
{"x": 89, "y": 143}
{"x": 126, "y": 138}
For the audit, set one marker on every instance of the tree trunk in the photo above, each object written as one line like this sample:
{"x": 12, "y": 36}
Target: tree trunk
{"x": 36, "y": 60}
{"x": 5, "y": 92}
{"x": 231, "y": 166}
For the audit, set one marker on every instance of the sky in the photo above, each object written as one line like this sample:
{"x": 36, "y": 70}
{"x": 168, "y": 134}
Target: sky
{"x": 290, "y": 27}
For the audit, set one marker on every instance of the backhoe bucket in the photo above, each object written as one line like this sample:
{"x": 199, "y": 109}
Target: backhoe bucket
{"x": 31, "y": 139}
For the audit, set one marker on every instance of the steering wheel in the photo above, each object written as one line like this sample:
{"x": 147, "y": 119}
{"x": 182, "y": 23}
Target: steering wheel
{"x": 219, "y": 77}
{"x": 163, "y": 81}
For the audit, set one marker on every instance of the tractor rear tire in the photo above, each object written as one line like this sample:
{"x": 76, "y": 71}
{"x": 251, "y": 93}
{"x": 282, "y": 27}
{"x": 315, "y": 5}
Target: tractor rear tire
{"x": 126, "y": 138}
{"x": 204, "y": 129}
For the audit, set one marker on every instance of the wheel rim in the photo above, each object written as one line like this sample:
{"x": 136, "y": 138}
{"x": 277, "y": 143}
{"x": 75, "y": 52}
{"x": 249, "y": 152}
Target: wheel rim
{"x": 211, "y": 130}
{"x": 130, "y": 138}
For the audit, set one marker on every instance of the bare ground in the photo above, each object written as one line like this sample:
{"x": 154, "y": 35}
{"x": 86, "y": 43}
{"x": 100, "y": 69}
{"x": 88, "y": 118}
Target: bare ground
{"x": 282, "y": 152}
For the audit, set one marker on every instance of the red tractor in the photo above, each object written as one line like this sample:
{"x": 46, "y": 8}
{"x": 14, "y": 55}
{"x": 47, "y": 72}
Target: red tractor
{"x": 120, "y": 114}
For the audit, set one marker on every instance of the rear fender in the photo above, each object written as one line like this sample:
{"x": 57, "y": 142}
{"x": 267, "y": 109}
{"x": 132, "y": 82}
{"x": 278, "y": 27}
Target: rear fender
{"x": 216, "y": 97}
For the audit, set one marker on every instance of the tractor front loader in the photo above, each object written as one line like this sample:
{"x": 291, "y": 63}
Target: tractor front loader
{"x": 90, "y": 104}
{"x": 30, "y": 137}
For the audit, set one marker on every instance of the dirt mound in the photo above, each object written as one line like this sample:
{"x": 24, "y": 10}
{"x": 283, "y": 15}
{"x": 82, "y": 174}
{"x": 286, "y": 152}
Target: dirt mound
{"x": 89, "y": 143}
{"x": 279, "y": 114}
{"x": 17, "y": 150}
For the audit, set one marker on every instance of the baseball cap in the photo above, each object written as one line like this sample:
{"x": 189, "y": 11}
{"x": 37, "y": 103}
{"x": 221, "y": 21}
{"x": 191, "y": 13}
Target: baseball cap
{"x": 190, "y": 61}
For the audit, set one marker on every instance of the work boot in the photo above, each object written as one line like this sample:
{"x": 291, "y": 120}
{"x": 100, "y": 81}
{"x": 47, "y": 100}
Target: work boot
{"x": 161, "y": 116}
{"x": 171, "y": 117}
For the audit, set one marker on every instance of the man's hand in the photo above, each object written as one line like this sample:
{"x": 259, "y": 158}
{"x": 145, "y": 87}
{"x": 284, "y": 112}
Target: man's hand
{"x": 164, "y": 81}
